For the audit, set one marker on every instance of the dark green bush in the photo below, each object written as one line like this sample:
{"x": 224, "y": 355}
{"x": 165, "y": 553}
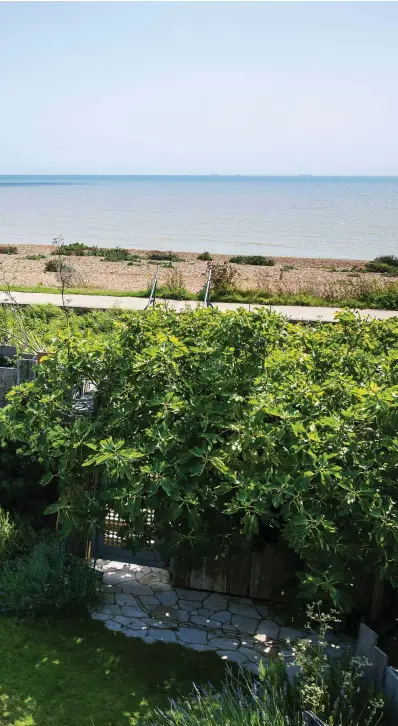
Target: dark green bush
{"x": 116, "y": 254}
{"x": 8, "y": 250}
{"x": 52, "y": 266}
{"x": 205, "y": 257}
{"x": 166, "y": 256}
{"x": 391, "y": 260}
{"x": 47, "y": 578}
{"x": 76, "y": 249}
{"x": 35, "y": 257}
{"x": 380, "y": 267}
{"x": 253, "y": 260}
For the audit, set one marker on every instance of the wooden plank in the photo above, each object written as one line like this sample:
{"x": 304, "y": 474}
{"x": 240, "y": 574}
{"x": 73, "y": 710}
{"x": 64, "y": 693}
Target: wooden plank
{"x": 215, "y": 573}
{"x": 8, "y": 379}
{"x": 390, "y": 688}
{"x": 272, "y": 571}
{"x": 196, "y": 579}
{"x": 180, "y": 573}
{"x": 239, "y": 571}
{"x": 379, "y": 663}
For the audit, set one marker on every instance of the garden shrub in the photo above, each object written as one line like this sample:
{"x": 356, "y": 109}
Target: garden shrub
{"x": 227, "y": 425}
{"x": 8, "y": 250}
{"x": 259, "y": 260}
{"x": 47, "y": 578}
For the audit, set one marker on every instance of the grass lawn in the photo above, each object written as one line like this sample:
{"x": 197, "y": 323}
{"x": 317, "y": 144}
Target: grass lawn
{"x": 74, "y": 672}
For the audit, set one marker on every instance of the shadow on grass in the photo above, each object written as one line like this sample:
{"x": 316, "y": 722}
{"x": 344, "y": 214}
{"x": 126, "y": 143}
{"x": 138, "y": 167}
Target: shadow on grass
{"x": 74, "y": 672}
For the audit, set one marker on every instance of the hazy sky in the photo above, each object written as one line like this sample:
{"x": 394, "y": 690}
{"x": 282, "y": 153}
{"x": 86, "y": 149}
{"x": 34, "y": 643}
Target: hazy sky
{"x": 261, "y": 88}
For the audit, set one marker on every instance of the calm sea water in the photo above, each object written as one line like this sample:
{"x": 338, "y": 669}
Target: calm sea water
{"x": 342, "y": 217}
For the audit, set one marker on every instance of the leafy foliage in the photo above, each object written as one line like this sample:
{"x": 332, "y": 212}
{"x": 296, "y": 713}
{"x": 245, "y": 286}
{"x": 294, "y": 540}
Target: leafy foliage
{"x": 226, "y": 425}
{"x": 205, "y": 257}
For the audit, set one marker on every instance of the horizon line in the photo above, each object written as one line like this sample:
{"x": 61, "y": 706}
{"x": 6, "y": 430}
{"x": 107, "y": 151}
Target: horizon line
{"x": 209, "y": 175}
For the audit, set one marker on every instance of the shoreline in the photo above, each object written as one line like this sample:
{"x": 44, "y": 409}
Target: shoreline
{"x": 328, "y": 278}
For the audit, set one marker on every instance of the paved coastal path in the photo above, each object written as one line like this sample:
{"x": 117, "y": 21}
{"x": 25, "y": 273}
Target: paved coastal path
{"x": 105, "y": 302}
{"x": 140, "y": 602}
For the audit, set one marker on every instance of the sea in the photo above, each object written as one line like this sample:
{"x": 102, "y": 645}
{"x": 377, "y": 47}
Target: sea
{"x": 300, "y": 216}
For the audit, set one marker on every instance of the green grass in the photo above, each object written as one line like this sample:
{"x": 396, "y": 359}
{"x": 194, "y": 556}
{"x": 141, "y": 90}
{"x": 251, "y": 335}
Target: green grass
{"x": 377, "y": 301}
{"x": 74, "y": 672}
{"x": 75, "y": 291}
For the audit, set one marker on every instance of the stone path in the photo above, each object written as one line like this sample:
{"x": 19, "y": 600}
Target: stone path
{"x": 140, "y": 602}
{"x": 103, "y": 302}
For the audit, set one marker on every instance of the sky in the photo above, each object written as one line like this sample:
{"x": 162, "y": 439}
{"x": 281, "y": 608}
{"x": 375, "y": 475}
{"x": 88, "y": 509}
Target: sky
{"x": 199, "y": 88}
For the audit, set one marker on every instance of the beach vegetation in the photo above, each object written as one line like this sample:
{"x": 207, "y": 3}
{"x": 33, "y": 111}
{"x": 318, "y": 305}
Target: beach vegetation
{"x": 259, "y": 260}
{"x": 205, "y": 257}
{"x": 35, "y": 257}
{"x": 164, "y": 256}
{"x": 52, "y": 266}
{"x": 117, "y": 254}
{"x": 385, "y": 264}
{"x": 173, "y": 287}
{"x": 8, "y": 250}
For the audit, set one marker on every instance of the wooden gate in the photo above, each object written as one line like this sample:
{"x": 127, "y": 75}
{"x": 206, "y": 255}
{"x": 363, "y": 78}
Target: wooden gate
{"x": 108, "y": 545}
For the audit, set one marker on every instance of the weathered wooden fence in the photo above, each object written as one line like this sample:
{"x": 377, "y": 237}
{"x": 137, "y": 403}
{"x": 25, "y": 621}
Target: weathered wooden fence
{"x": 266, "y": 575}
{"x": 383, "y": 677}
{"x": 10, "y": 376}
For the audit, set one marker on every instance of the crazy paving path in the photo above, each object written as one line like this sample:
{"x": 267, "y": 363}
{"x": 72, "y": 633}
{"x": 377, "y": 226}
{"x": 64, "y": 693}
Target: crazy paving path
{"x": 140, "y": 602}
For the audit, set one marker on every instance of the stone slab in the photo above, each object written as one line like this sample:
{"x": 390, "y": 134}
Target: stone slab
{"x": 162, "y": 636}
{"x": 189, "y": 604}
{"x": 244, "y": 625}
{"x": 191, "y": 594}
{"x": 247, "y": 611}
{"x": 112, "y": 625}
{"x": 269, "y": 629}
{"x": 233, "y": 656}
{"x": 224, "y": 643}
{"x": 192, "y": 635}
{"x": 135, "y": 633}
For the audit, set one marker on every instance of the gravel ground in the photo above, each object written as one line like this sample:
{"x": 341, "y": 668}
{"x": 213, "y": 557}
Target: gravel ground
{"x": 290, "y": 274}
